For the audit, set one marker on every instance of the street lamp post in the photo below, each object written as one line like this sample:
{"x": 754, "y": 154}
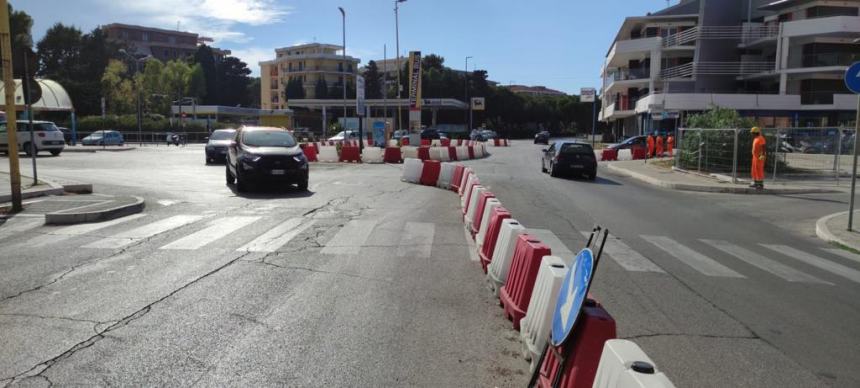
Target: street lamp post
{"x": 469, "y": 104}
{"x": 343, "y": 79}
{"x": 397, "y": 56}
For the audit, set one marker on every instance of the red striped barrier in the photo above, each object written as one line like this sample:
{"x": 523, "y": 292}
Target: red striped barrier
{"x": 517, "y": 291}
{"x": 430, "y": 172}
{"x": 425, "y": 142}
{"x": 457, "y": 178}
{"x": 609, "y": 154}
{"x": 452, "y": 152}
{"x": 471, "y": 152}
{"x": 446, "y": 142}
{"x": 475, "y": 223}
{"x": 468, "y": 193}
{"x": 404, "y": 141}
{"x": 639, "y": 153}
{"x": 350, "y": 154}
{"x": 467, "y": 172}
{"x": 424, "y": 153}
{"x": 499, "y": 214}
{"x": 310, "y": 152}
{"x": 496, "y": 142}
{"x": 393, "y": 155}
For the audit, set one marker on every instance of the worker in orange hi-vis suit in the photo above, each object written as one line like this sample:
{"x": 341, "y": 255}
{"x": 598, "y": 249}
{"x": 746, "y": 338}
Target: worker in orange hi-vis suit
{"x": 659, "y": 145}
{"x": 670, "y": 145}
{"x": 650, "y": 142}
{"x": 759, "y": 149}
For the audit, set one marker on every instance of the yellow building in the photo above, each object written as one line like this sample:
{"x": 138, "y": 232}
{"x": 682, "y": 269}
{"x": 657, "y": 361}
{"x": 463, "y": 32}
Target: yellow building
{"x": 308, "y": 63}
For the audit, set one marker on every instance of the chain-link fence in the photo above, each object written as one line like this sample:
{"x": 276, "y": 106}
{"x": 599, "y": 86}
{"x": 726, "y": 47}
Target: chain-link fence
{"x": 792, "y": 153}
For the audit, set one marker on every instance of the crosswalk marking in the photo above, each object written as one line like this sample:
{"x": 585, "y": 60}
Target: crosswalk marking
{"x": 843, "y": 254}
{"x": 350, "y": 238}
{"x": 626, "y": 257}
{"x": 216, "y": 230}
{"x": 278, "y": 236}
{"x": 416, "y": 240}
{"x": 16, "y": 225}
{"x": 815, "y": 261}
{"x": 67, "y": 232}
{"x": 696, "y": 260}
{"x": 555, "y": 244}
{"x": 122, "y": 239}
{"x": 764, "y": 263}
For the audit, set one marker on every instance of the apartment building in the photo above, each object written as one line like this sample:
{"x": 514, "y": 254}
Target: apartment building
{"x": 535, "y": 91}
{"x": 780, "y": 62}
{"x": 159, "y": 43}
{"x": 308, "y": 63}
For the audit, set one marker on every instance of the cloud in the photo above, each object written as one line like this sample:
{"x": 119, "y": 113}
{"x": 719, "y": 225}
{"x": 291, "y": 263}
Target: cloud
{"x": 213, "y": 18}
{"x": 253, "y": 56}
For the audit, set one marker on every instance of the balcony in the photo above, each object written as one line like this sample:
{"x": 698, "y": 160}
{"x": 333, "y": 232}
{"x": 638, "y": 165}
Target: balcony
{"x": 610, "y": 113}
{"x": 829, "y": 59}
{"x": 625, "y": 50}
{"x": 690, "y": 70}
{"x": 836, "y": 26}
{"x": 683, "y": 38}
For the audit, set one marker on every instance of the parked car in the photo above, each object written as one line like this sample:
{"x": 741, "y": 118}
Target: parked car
{"x": 567, "y": 157}
{"x": 349, "y": 134}
{"x": 46, "y": 137}
{"x": 489, "y": 134}
{"x": 265, "y": 154}
{"x": 108, "y": 137}
{"x": 542, "y": 137}
{"x": 477, "y": 135}
{"x": 635, "y": 141}
{"x": 216, "y": 147}
{"x": 430, "y": 134}
{"x": 67, "y": 134}
{"x": 399, "y": 134}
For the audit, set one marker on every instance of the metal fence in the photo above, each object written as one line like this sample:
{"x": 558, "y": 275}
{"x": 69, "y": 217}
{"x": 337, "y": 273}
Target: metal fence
{"x": 792, "y": 153}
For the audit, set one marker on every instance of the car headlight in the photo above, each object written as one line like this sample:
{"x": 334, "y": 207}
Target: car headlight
{"x": 251, "y": 158}
{"x": 300, "y": 158}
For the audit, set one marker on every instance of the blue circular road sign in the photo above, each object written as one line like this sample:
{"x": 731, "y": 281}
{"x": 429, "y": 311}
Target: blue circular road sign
{"x": 852, "y": 78}
{"x": 571, "y": 296}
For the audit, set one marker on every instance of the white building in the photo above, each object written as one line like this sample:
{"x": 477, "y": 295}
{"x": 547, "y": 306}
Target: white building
{"x": 781, "y": 62}
{"x": 308, "y": 63}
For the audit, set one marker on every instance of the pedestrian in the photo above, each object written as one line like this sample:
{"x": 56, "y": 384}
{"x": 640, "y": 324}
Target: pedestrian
{"x": 659, "y": 145}
{"x": 670, "y": 145}
{"x": 650, "y": 143}
{"x": 759, "y": 149}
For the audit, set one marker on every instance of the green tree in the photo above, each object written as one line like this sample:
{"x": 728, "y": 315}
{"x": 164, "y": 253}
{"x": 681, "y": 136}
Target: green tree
{"x": 176, "y": 78}
{"x": 295, "y": 89}
{"x": 372, "y": 81}
{"x": 719, "y": 117}
{"x": 205, "y": 57}
{"x": 117, "y": 89}
{"x": 197, "y": 83}
{"x": 155, "y": 95}
{"x": 253, "y": 93}
{"x": 321, "y": 89}
{"x": 59, "y": 52}
{"x": 233, "y": 78}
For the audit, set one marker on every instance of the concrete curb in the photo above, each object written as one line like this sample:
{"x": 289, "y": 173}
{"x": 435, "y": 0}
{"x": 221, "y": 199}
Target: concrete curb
{"x": 823, "y": 231}
{"x": 94, "y": 149}
{"x": 53, "y": 189}
{"x": 60, "y": 218}
{"x": 712, "y": 189}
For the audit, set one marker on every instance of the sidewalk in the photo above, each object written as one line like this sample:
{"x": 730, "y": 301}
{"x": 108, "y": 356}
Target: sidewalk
{"x": 82, "y": 148}
{"x": 834, "y": 229}
{"x": 28, "y": 189}
{"x": 677, "y": 180}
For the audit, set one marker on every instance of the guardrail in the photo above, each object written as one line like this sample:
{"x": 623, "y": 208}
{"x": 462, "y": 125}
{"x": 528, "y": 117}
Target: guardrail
{"x": 717, "y": 68}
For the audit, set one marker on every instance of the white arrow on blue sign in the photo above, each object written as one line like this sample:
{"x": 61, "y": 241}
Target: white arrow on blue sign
{"x": 852, "y": 78}
{"x": 572, "y": 295}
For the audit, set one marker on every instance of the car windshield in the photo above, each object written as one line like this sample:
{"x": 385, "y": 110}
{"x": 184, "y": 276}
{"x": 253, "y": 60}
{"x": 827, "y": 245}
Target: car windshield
{"x": 575, "y": 148}
{"x": 222, "y": 135}
{"x": 273, "y": 138}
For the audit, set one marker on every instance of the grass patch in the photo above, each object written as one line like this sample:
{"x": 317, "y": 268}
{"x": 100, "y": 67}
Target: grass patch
{"x": 666, "y": 163}
{"x": 844, "y": 247}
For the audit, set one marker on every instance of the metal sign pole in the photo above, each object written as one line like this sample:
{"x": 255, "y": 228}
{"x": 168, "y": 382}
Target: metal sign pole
{"x": 9, "y": 91}
{"x": 854, "y": 169}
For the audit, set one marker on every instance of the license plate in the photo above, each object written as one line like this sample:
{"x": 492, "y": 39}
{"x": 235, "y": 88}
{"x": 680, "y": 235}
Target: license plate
{"x": 278, "y": 172}
{"x": 576, "y": 166}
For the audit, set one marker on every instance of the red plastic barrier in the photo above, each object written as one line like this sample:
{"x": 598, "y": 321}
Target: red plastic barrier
{"x": 639, "y": 153}
{"x": 496, "y": 142}
{"x": 310, "y": 152}
{"x": 471, "y": 152}
{"x": 459, "y": 142}
{"x": 430, "y": 172}
{"x": 404, "y": 141}
{"x": 424, "y": 153}
{"x": 466, "y": 172}
{"x": 498, "y": 215}
{"x": 425, "y": 142}
{"x": 468, "y": 193}
{"x": 452, "y": 152}
{"x": 609, "y": 154}
{"x": 457, "y": 178}
{"x": 350, "y": 154}
{"x": 393, "y": 155}
{"x": 517, "y": 291}
{"x": 446, "y": 142}
{"x": 475, "y": 225}
{"x": 583, "y": 349}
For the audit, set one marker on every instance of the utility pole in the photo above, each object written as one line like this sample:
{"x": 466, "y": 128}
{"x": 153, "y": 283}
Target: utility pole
{"x": 468, "y": 103}
{"x": 385, "y": 82}
{"x": 397, "y": 56}
{"x": 343, "y": 80}
{"x": 25, "y": 85}
{"x": 9, "y": 88}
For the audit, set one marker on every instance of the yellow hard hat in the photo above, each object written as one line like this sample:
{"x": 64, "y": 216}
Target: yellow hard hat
{"x": 755, "y": 130}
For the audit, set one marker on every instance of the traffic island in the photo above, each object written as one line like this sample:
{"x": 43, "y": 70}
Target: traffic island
{"x": 834, "y": 229}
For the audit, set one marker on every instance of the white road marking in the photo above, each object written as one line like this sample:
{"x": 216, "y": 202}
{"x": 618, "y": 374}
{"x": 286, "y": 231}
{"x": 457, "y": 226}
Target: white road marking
{"x": 555, "y": 245}
{"x": 695, "y": 260}
{"x": 764, "y": 263}
{"x": 416, "y": 240}
{"x": 278, "y": 236}
{"x": 350, "y": 238}
{"x": 17, "y": 225}
{"x": 67, "y": 232}
{"x": 626, "y": 257}
{"x": 815, "y": 261}
{"x": 167, "y": 202}
{"x": 122, "y": 239}
{"x": 216, "y": 230}
{"x": 843, "y": 254}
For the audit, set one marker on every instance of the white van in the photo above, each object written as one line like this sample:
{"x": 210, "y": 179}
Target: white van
{"x": 47, "y": 137}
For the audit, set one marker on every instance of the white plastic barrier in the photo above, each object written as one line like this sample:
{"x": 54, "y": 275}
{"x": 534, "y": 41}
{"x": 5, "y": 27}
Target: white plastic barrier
{"x": 409, "y": 152}
{"x": 328, "y": 154}
{"x": 439, "y": 153}
{"x": 623, "y": 364}
{"x": 466, "y": 173}
{"x": 473, "y": 204}
{"x": 446, "y": 174}
{"x": 436, "y": 143}
{"x": 412, "y": 170}
{"x": 467, "y": 192}
{"x": 497, "y": 273}
{"x": 462, "y": 153}
{"x": 372, "y": 155}
{"x": 625, "y": 155}
{"x": 392, "y": 143}
{"x": 480, "y": 151}
{"x": 536, "y": 325}
{"x": 489, "y": 206}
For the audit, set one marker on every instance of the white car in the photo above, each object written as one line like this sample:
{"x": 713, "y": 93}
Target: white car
{"x": 46, "y": 135}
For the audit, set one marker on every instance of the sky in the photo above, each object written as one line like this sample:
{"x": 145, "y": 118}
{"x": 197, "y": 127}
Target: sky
{"x": 559, "y": 44}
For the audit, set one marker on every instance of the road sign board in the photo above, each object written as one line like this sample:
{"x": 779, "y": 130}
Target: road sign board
{"x": 359, "y": 95}
{"x": 587, "y": 94}
{"x": 572, "y": 295}
{"x": 852, "y": 78}
{"x": 478, "y": 103}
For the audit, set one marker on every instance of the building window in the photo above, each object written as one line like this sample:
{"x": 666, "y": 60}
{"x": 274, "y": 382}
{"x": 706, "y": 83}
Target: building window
{"x": 290, "y": 65}
{"x": 171, "y": 39}
{"x": 340, "y": 66}
{"x": 349, "y": 68}
{"x": 145, "y": 37}
{"x": 824, "y": 11}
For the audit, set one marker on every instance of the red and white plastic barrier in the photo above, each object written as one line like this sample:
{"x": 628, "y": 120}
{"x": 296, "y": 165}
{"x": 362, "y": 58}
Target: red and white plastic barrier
{"x": 472, "y": 205}
{"x": 494, "y": 229}
{"x": 624, "y": 364}
{"x": 537, "y": 324}
{"x": 517, "y": 291}
{"x": 490, "y": 207}
{"x": 497, "y": 274}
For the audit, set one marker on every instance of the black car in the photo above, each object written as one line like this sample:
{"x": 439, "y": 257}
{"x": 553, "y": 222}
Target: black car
{"x": 569, "y": 157}
{"x": 265, "y": 154}
{"x": 542, "y": 137}
{"x": 635, "y": 141}
{"x": 216, "y": 147}
{"x": 430, "y": 134}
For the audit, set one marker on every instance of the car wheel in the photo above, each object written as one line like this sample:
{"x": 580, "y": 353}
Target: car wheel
{"x": 593, "y": 176}
{"x": 230, "y": 178}
{"x": 55, "y": 152}
{"x": 27, "y": 150}
{"x": 303, "y": 185}
{"x": 552, "y": 171}
{"x": 542, "y": 167}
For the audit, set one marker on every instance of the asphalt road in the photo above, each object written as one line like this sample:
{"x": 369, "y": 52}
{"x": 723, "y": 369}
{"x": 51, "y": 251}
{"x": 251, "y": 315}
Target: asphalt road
{"x": 367, "y": 281}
